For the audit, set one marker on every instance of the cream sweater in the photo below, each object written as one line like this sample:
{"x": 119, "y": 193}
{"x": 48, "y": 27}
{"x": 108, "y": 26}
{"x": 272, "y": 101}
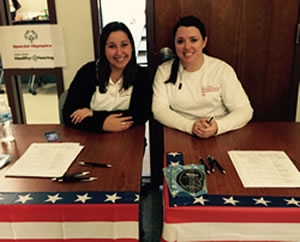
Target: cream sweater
{"x": 213, "y": 90}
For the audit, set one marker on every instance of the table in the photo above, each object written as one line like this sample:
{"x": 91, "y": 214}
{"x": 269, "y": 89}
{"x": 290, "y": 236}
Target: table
{"x": 230, "y": 212}
{"x": 102, "y": 210}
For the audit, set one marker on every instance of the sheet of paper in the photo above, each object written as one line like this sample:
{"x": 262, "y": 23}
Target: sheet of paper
{"x": 265, "y": 169}
{"x": 45, "y": 160}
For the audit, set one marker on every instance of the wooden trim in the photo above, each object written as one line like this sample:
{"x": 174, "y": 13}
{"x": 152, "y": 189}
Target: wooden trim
{"x": 151, "y": 36}
{"x": 295, "y": 85}
{"x": 295, "y": 79}
{"x": 12, "y": 84}
{"x": 52, "y": 12}
{"x": 60, "y": 87}
{"x": 2, "y": 17}
{"x": 4, "y": 12}
{"x": 96, "y": 26}
{"x": 155, "y": 128}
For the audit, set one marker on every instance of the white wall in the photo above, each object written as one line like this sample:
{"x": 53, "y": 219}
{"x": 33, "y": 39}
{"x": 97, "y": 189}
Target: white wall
{"x": 75, "y": 18}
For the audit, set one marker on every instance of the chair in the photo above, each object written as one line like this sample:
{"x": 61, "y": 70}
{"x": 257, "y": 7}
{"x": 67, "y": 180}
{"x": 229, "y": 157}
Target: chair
{"x": 31, "y": 82}
{"x": 61, "y": 103}
{"x": 34, "y": 79}
{"x": 166, "y": 54}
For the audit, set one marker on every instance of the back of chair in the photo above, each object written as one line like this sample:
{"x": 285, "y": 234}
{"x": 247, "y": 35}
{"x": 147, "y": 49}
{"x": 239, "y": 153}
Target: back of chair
{"x": 61, "y": 103}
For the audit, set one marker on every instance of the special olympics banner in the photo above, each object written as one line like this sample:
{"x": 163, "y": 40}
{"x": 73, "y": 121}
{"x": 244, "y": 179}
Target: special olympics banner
{"x": 32, "y": 46}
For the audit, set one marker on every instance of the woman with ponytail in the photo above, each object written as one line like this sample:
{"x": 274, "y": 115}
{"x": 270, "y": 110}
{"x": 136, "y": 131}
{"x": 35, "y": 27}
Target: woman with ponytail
{"x": 193, "y": 87}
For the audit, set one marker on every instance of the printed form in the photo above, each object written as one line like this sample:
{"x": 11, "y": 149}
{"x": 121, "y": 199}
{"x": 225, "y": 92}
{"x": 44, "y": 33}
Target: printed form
{"x": 45, "y": 160}
{"x": 265, "y": 168}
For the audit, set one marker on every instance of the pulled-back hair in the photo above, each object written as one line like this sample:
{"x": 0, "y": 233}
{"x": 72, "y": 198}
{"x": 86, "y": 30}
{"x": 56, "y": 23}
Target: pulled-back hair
{"x": 103, "y": 69}
{"x": 187, "y": 21}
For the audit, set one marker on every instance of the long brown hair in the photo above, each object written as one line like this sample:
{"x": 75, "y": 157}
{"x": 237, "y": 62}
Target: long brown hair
{"x": 103, "y": 69}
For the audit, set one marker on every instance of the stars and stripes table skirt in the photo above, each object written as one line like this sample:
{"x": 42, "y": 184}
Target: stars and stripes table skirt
{"x": 229, "y": 218}
{"x": 69, "y": 216}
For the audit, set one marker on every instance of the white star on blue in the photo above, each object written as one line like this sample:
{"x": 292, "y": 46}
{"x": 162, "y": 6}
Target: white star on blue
{"x": 261, "y": 201}
{"x": 112, "y": 198}
{"x": 53, "y": 198}
{"x": 24, "y": 199}
{"x": 230, "y": 201}
{"x": 82, "y": 198}
{"x": 292, "y": 201}
{"x": 173, "y": 153}
{"x": 173, "y": 163}
{"x": 200, "y": 200}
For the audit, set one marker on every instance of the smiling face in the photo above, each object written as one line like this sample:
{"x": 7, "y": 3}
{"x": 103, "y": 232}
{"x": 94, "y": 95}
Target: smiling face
{"x": 118, "y": 50}
{"x": 189, "y": 45}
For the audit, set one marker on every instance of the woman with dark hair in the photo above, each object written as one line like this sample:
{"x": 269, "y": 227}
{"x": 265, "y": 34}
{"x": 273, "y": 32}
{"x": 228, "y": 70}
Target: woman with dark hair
{"x": 193, "y": 87}
{"x": 112, "y": 93}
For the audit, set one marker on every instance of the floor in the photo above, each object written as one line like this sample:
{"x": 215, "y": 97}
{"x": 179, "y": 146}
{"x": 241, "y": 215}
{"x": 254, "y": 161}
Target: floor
{"x": 151, "y": 213}
{"x": 43, "y": 108}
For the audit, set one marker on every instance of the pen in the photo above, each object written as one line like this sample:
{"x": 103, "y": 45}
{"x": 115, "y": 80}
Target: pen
{"x": 76, "y": 179}
{"x": 84, "y": 163}
{"x": 78, "y": 174}
{"x": 218, "y": 165}
{"x": 209, "y": 120}
{"x": 211, "y": 164}
{"x": 205, "y": 166}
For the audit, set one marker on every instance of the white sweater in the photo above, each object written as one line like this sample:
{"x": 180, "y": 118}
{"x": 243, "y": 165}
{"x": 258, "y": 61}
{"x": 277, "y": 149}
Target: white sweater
{"x": 213, "y": 90}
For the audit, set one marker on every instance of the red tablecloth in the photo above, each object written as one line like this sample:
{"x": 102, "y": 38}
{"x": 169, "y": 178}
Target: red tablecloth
{"x": 69, "y": 216}
{"x": 229, "y": 217}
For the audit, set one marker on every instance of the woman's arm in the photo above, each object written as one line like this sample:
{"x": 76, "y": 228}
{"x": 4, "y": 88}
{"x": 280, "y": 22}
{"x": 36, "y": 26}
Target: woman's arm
{"x": 79, "y": 96}
{"x": 236, "y": 101}
{"x": 161, "y": 107}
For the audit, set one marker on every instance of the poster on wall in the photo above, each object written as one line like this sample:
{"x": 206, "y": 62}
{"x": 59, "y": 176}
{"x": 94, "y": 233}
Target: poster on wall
{"x": 32, "y": 46}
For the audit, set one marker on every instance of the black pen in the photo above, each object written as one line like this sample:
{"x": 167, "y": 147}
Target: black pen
{"x": 84, "y": 163}
{"x": 78, "y": 174}
{"x": 76, "y": 179}
{"x": 209, "y": 120}
{"x": 205, "y": 166}
{"x": 211, "y": 164}
{"x": 218, "y": 165}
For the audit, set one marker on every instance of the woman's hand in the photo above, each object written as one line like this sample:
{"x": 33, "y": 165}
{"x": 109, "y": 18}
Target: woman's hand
{"x": 115, "y": 123}
{"x": 81, "y": 114}
{"x": 202, "y": 129}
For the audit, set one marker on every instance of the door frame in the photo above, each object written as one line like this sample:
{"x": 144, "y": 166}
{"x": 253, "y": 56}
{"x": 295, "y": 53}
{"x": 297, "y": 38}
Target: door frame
{"x": 296, "y": 74}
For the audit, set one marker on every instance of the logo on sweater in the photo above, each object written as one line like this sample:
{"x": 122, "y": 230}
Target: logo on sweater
{"x": 208, "y": 89}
